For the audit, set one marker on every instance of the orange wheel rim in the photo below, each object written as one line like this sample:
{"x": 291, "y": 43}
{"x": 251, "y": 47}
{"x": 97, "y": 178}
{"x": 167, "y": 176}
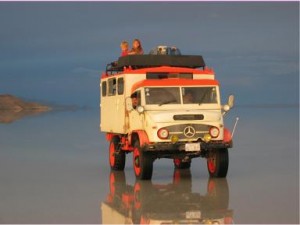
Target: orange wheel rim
{"x": 136, "y": 161}
{"x": 212, "y": 164}
{"x": 112, "y": 154}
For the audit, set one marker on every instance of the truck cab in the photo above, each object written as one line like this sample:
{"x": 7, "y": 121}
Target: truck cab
{"x": 164, "y": 106}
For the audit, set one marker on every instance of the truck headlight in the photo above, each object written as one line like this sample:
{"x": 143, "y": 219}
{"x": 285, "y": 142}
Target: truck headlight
{"x": 163, "y": 133}
{"x": 140, "y": 109}
{"x": 214, "y": 132}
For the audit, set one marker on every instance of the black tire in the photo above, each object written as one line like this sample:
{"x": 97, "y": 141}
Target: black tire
{"x": 217, "y": 162}
{"x": 179, "y": 164}
{"x": 116, "y": 155}
{"x": 142, "y": 163}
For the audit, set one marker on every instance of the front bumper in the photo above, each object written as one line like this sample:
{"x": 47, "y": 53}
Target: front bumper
{"x": 180, "y": 146}
{"x": 170, "y": 150}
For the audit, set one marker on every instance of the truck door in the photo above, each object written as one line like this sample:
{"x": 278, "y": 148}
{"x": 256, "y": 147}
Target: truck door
{"x": 136, "y": 119}
{"x": 113, "y": 106}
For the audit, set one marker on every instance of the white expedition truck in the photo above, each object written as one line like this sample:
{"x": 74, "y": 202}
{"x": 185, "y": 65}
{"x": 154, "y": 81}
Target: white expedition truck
{"x": 164, "y": 106}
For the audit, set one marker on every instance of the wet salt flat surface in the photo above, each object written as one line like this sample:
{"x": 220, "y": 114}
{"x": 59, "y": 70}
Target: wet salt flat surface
{"x": 54, "y": 169}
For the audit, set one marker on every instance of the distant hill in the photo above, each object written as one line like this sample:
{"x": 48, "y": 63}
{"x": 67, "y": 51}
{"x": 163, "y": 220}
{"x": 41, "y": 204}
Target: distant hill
{"x": 13, "y": 108}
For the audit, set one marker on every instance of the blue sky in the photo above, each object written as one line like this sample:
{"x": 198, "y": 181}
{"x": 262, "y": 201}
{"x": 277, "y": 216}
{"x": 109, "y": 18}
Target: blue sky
{"x": 55, "y": 51}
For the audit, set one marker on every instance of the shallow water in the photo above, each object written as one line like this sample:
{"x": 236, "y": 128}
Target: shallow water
{"x": 54, "y": 169}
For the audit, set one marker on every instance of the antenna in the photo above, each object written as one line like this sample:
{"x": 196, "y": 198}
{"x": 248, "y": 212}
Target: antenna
{"x": 236, "y": 121}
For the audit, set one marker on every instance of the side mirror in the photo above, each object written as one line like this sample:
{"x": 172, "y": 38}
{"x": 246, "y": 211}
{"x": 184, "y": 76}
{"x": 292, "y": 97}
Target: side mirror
{"x": 128, "y": 103}
{"x": 231, "y": 101}
{"x": 229, "y": 104}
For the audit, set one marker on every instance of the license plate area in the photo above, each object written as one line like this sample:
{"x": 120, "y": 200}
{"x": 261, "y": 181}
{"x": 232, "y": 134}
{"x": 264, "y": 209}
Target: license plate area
{"x": 193, "y": 215}
{"x": 192, "y": 147}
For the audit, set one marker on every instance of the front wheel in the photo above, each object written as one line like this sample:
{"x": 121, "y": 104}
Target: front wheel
{"x": 217, "y": 162}
{"x": 142, "y": 163}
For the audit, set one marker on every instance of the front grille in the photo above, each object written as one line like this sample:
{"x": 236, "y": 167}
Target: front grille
{"x": 185, "y": 131}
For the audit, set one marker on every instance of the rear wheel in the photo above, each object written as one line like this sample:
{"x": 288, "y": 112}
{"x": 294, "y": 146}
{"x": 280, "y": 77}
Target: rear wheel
{"x": 179, "y": 164}
{"x": 142, "y": 163}
{"x": 116, "y": 155}
{"x": 217, "y": 163}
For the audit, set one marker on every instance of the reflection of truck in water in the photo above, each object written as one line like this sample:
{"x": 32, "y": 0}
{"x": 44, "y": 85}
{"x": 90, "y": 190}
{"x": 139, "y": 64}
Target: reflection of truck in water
{"x": 171, "y": 203}
{"x": 164, "y": 106}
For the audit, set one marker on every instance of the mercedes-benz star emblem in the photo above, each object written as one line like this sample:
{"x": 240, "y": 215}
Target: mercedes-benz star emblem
{"x": 189, "y": 131}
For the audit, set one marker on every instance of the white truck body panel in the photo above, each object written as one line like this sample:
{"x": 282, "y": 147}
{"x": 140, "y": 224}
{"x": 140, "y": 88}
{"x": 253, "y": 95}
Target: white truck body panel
{"x": 115, "y": 119}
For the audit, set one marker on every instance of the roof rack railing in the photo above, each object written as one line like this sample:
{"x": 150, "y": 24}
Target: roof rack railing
{"x": 112, "y": 68}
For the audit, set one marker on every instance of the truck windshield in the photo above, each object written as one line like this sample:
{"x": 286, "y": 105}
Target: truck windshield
{"x": 171, "y": 95}
{"x": 162, "y": 96}
{"x": 199, "y": 95}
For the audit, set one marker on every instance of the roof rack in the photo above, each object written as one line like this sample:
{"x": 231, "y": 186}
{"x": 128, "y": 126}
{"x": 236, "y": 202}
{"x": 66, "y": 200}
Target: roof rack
{"x": 145, "y": 61}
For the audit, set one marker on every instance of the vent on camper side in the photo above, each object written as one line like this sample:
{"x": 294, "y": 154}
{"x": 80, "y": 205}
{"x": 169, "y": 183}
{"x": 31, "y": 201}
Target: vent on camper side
{"x": 189, "y": 117}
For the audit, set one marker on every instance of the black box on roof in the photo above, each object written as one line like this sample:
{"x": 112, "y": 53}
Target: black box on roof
{"x": 142, "y": 61}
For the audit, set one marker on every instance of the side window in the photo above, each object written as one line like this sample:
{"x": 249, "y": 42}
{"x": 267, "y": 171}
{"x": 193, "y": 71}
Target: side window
{"x": 104, "y": 88}
{"x": 120, "y": 86}
{"x": 112, "y": 86}
{"x": 136, "y": 99}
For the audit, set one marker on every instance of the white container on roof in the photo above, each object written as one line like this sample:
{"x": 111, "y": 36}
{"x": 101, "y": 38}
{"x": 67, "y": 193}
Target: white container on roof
{"x": 165, "y": 50}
